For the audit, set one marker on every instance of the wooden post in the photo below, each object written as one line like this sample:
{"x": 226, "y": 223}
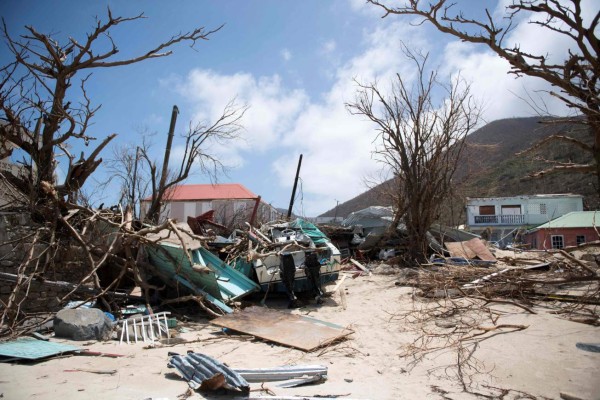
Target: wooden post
{"x": 253, "y": 217}
{"x": 289, "y": 213}
{"x": 163, "y": 177}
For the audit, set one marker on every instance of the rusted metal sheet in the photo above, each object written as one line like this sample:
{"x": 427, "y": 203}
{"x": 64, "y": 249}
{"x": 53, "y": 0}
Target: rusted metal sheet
{"x": 206, "y": 373}
{"x": 473, "y": 248}
{"x": 297, "y": 331}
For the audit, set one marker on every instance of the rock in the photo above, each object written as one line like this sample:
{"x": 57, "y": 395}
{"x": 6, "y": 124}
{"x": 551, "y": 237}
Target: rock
{"x": 82, "y": 324}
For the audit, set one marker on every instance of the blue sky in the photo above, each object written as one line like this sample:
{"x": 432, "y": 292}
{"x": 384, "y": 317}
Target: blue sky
{"x": 292, "y": 63}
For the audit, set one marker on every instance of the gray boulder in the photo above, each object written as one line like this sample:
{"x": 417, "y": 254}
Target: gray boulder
{"x": 82, "y": 324}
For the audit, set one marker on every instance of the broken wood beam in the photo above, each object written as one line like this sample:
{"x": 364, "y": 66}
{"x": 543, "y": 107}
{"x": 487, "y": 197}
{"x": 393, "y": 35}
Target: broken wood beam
{"x": 360, "y": 266}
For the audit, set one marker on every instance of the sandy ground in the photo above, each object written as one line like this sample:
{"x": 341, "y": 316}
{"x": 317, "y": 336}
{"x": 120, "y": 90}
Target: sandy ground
{"x": 541, "y": 360}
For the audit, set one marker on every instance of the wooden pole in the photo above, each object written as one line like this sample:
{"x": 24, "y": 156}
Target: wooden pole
{"x": 163, "y": 177}
{"x": 289, "y": 213}
{"x": 253, "y": 217}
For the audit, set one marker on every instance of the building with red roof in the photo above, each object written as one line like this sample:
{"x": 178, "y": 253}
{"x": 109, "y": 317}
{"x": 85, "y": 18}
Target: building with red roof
{"x": 233, "y": 203}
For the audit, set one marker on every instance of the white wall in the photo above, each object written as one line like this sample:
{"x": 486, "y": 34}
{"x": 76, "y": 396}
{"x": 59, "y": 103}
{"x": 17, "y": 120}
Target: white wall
{"x": 536, "y": 209}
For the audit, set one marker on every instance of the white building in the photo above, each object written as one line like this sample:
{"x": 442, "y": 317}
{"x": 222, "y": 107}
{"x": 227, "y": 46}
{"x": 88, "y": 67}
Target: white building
{"x": 233, "y": 203}
{"x": 501, "y": 216}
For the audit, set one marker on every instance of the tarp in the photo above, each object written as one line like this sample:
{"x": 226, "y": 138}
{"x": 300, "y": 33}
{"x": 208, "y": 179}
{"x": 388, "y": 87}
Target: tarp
{"x": 310, "y": 230}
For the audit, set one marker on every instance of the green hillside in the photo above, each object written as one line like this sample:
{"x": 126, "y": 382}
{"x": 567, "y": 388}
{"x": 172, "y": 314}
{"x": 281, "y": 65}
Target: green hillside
{"x": 489, "y": 165}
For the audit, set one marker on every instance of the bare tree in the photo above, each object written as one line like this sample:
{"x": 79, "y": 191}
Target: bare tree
{"x": 131, "y": 174}
{"x": 35, "y": 89}
{"x": 197, "y": 140}
{"x": 577, "y": 79}
{"x": 40, "y": 113}
{"x": 420, "y": 141}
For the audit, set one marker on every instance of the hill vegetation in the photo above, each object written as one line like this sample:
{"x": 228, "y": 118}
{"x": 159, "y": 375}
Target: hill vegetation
{"x": 490, "y": 166}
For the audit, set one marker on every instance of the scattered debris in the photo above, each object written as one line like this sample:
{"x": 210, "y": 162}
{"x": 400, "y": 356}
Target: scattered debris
{"x": 99, "y": 354}
{"x": 593, "y": 347}
{"x": 360, "y": 266}
{"x": 93, "y": 371}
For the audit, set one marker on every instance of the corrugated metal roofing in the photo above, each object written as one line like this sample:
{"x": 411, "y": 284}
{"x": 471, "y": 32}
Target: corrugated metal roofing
{"x": 210, "y": 192}
{"x": 575, "y": 219}
{"x": 206, "y": 373}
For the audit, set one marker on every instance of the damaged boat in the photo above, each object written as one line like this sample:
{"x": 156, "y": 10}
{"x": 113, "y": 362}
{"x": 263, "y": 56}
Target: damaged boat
{"x": 183, "y": 261}
{"x": 295, "y": 240}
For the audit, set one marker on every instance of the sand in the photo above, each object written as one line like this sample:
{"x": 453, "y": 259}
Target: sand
{"x": 541, "y": 360}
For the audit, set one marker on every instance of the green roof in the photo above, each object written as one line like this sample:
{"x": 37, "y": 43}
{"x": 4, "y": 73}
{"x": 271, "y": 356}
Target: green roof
{"x": 575, "y": 219}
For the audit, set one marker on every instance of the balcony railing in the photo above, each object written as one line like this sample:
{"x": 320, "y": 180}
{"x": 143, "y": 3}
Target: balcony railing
{"x": 517, "y": 219}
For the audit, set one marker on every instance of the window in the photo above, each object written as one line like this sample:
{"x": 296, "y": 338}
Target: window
{"x": 580, "y": 239}
{"x": 487, "y": 210}
{"x": 511, "y": 210}
{"x": 557, "y": 241}
{"x": 543, "y": 208}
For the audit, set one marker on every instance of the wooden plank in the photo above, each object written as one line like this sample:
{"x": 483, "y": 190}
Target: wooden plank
{"x": 292, "y": 330}
{"x": 340, "y": 282}
{"x": 359, "y": 265}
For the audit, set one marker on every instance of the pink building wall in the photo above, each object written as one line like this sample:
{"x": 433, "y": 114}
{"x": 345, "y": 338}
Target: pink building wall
{"x": 542, "y": 238}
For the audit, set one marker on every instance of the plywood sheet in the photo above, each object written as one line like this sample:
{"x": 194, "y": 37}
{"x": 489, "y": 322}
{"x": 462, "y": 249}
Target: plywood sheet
{"x": 297, "y": 331}
{"x": 474, "y": 248}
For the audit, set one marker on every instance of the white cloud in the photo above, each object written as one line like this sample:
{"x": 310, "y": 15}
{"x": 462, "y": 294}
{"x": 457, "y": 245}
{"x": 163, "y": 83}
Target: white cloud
{"x": 328, "y": 47}
{"x": 336, "y": 145}
{"x": 286, "y": 55}
{"x": 272, "y": 108}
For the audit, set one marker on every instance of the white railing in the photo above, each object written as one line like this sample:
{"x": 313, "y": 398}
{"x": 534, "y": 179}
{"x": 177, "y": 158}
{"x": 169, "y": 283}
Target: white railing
{"x": 517, "y": 219}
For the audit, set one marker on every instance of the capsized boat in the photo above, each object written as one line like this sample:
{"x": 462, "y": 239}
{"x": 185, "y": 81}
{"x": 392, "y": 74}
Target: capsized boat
{"x": 184, "y": 262}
